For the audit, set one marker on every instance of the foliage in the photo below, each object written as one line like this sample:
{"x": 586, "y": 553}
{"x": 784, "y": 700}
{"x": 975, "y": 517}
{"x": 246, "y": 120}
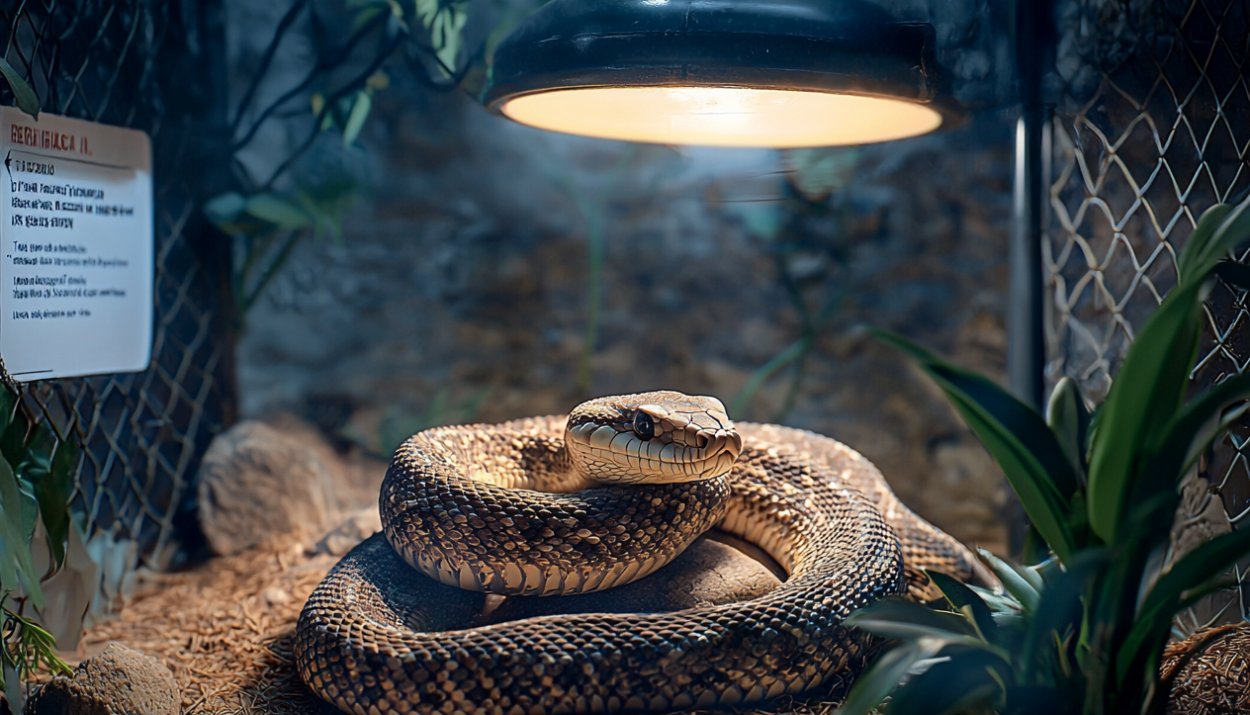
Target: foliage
{"x": 813, "y": 178}
{"x": 269, "y": 225}
{"x": 25, "y": 647}
{"x": 25, "y": 96}
{"x": 36, "y": 481}
{"x": 1083, "y": 633}
{"x": 269, "y": 218}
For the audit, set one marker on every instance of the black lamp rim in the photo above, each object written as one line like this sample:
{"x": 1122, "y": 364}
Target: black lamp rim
{"x": 847, "y": 47}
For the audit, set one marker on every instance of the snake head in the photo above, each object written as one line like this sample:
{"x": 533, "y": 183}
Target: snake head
{"x": 652, "y": 437}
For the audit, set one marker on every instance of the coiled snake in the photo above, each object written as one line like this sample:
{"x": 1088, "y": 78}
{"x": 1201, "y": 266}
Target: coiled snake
{"x": 549, "y": 506}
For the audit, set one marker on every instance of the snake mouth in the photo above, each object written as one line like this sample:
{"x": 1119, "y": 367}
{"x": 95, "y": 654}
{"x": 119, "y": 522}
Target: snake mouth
{"x": 669, "y": 438}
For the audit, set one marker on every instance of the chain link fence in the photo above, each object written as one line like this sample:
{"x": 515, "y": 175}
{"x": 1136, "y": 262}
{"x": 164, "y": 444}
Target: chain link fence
{"x": 152, "y": 66}
{"x": 1153, "y": 129}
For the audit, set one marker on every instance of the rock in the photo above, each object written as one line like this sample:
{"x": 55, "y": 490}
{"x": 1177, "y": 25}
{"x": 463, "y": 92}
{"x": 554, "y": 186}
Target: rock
{"x": 1199, "y": 518}
{"x": 119, "y": 681}
{"x": 259, "y": 481}
{"x": 707, "y": 573}
{"x": 355, "y": 529}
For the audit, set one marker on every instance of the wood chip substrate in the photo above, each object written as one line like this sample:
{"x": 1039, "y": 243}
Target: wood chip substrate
{"x": 225, "y": 629}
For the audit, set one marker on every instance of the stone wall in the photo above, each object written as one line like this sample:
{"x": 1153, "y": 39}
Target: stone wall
{"x": 460, "y": 290}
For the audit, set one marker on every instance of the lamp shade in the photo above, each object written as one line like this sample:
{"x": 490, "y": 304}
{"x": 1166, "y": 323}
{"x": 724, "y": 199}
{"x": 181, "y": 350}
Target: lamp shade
{"x": 789, "y": 73}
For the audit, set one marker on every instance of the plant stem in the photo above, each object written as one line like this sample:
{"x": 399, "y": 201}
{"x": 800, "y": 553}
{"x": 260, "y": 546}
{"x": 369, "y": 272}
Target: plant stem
{"x": 250, "y": 298}
{"x": 796, "y": 350}
{"x": 594, "y": 301}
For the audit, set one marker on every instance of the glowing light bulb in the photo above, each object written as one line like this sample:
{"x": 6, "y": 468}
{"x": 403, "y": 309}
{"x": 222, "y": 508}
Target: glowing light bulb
{"x": 723, "y": 116}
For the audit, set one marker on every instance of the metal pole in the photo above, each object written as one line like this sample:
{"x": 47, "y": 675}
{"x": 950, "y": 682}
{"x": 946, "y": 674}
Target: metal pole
{"x": 1026, "y": 353}
{"x": 1026, "y": 350}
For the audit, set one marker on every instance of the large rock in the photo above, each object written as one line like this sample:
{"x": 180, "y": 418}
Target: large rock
{"x": 119, "y": 681}
{"x": 707, "y": 573}
{"x": 259, "y": 481}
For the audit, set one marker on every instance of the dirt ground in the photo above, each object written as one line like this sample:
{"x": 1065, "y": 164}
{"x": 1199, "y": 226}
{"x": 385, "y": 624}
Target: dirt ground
{"x": 225, "y": 630}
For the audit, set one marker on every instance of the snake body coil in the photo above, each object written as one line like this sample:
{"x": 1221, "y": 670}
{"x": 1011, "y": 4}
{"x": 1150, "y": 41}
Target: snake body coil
{"x": 390, "y": 628}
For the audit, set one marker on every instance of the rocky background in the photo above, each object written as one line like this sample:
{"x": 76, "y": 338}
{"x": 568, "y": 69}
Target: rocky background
{"x": 461, "y": 289}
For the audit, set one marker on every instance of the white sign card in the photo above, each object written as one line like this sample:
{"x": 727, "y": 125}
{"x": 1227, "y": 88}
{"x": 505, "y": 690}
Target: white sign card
{"x": 76, "y": 247}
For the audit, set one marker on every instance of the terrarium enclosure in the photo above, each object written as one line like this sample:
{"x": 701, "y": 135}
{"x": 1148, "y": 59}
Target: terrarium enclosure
{"x": 349, "y": 249}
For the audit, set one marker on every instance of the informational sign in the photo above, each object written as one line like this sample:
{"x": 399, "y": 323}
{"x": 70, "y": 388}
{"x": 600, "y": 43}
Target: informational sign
{"x": 76, "y": 247}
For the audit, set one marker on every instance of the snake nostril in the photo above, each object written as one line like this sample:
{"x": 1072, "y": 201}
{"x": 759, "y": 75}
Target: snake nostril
{"x": 700, "y": 441}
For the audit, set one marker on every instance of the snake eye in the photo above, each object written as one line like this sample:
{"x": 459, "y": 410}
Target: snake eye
{"x": 644, "y": 427}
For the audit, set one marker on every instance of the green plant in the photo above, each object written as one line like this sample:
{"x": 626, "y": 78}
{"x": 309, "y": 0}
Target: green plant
{"x": 36, "y": 480}
{"x": 813, "y": 178}
{"x": 27, "y": 647}
{"x": 269, "y": 225}
{"x": 1085, "y": 632}
{"x": 22, "y": 93}
{"x": 269, "y": 218}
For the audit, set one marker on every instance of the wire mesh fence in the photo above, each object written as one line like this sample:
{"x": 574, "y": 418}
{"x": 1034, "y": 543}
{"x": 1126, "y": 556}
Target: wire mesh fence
{"x": 1154, "y": 128}
{"x": 149, "y": 66}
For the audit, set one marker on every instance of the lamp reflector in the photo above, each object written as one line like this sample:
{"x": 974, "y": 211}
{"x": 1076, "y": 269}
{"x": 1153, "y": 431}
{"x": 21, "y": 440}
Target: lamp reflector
{"x": 723, "y": 116}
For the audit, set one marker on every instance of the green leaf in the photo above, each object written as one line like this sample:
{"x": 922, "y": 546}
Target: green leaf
{"x": 1047, "y": 570}
{"x": 966, "y": 601}
{"x": 1141, "y": 404}
{"x": 1154, "y": 618}
{"x": 25, "y": 96}
{"x": 356, "y": 120}
{"x": 278, "y": 211}
{"x": 1095, "y": 419}
{"x": 223, "y": 210}
{"x": 1069, "y": 420}
{"x": 1015, "y": 435}
{"x": 1001, "y": 604}
{"x": 882, "y": 678}
{"x": 1188, "y": 263}
{"x": 1014, "y": 581}
{"x": 16, "y": 565}
{"x": 1192, "y": 596}
{"x": 1060, "y": 611}
{"x": 1232, "y": 231}
{"x": 446, "y": 31}
{"x": 1201, "y": 422}
{"x": 982, "y": 390}
{"x": 817, "y": 173}
{"x": 904, "y": 620}
{"x": 13, "y": 440}
{"x": 953, "y": 686}
{"x": 30, "y": 509}
{"x": 54, "y": 492}
{"x": 36, "y": 461}
{"x": 1198, "y": 424}
{"x": 8, "y": 405}
{"x": 367, "y": 14}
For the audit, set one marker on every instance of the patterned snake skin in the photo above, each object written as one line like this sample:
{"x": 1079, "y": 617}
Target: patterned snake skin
{"x": 392, "y": 628}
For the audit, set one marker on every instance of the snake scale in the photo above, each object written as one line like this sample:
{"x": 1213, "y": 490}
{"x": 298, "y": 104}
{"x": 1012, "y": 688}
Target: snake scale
{"x": 608, "y": 495}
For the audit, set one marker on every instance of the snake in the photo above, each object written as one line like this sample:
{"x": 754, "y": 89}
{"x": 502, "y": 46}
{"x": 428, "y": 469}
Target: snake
{"x": 608, "y": 495}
